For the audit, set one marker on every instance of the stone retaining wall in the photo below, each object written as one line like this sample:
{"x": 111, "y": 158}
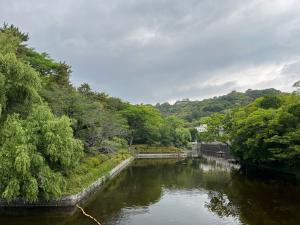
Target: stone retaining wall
{"x": 160, "y": 156}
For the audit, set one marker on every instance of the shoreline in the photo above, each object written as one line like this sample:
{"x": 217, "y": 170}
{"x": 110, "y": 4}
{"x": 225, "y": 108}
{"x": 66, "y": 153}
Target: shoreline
{"x": 72, "y": 200}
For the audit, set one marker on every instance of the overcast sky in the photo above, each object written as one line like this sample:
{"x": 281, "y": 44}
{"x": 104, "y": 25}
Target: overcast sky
{"x": 162, "y": 50}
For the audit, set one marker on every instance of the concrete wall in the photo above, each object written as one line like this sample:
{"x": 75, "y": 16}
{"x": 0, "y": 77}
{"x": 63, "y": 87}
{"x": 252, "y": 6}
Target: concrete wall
{"x": 161, "y": 156}
{"x": 212, "y": 149}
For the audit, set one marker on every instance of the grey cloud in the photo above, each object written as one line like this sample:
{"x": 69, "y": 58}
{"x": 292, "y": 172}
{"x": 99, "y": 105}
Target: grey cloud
{"x": 154, "y": 50}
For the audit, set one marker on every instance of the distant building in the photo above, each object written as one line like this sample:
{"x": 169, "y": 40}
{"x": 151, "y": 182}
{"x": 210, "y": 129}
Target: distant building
{"x": 201, "y": 128}
{"x": 183, "y": 101}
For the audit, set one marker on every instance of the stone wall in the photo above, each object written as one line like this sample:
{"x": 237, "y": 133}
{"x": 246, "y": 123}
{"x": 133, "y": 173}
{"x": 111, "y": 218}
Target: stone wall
{"x": 214, "y": 150}
{"x": 161, "y": 156}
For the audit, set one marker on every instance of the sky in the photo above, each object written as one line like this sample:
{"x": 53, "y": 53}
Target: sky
{"x": 162, "y": 50}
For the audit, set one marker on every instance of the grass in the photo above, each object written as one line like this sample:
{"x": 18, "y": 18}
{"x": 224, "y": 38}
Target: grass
{"x": 92, "y": 168}
{"x": 156, "y": 149}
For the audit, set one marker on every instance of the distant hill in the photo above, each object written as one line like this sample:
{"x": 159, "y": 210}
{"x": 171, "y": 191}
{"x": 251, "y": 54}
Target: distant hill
{"x": 194, "y": 110}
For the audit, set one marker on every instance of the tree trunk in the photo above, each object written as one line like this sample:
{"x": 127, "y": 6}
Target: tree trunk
{"x": 131, "y": 140}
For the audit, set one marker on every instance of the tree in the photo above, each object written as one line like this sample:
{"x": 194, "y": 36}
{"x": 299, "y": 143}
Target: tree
{"x": 168, "y": 130}
{"x": 267, "y": 136}
{"x": 183, "y": 136}
{"x": 14, "y": 31}
{"x": 53, "y": 136}
{"x": 34, "y": 155}
{"x": 193, "y": 111}
{"x": 272, "y": 101}
{"x": 20, "y": 85}
{"x": 297, "y": 86}
{"x": 85, "y": 89}
{"x": 194, "y": 134}
{"x": 41, "y": 62}
{"x": 11, "y": 39}
{"x": 216, "y": 128}
{"x": 173, "y": 132}
{"x": 144, "y": 123}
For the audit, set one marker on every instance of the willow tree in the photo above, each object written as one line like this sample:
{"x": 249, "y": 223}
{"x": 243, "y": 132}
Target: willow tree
{"x": 37, "y": 149}
{"x": 35, "y": 153}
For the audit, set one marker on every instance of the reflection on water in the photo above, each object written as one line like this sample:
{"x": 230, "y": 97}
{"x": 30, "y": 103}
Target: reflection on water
{"x": 190, "y": 191}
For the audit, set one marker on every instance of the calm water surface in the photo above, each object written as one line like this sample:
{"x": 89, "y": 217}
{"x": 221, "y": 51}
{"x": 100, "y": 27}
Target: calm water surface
{"x": 179, "y": 192}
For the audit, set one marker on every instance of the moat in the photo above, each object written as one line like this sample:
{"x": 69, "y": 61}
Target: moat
{"x": 179, "y": 192}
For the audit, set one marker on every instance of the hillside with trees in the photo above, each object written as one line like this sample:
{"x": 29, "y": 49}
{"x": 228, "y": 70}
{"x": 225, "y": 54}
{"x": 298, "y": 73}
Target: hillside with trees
{"x": 192, "y": 111}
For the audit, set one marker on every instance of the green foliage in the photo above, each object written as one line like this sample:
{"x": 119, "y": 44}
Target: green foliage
{"x": 41, "y": 62}
{"x": 14, "y": 31}
{"x": 272, "y": 101}
{"x": 182, "y": 137}
{"x": 92, "y": 168}
{"x": 26, "y": 165}
{"x": 20, "y": 85}
{"x": 194, "y": 134}
{"x": 92, "y": 122}
{"x": 144, "y": 123}
{"x": 147, "y": 126}
{"x": 297, "y": 86}
{"x": 156, "y": 149}
{"x": 11, "y": 39}
{"x": 192, "y": 111}
{"x": 170, "y": 131}
{"x": 264, "y": 135}
{"x": 216, "y": 125}
{"x": 85, "y": 89}
{"x": 37, "y": 149}
{"x": 53, "y": 136}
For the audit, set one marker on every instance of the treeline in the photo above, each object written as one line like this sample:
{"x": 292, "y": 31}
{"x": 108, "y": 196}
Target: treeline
{"x": 264, "y": 133}
{"x": 192, "y": 111}
{"x": 47, "y": 126}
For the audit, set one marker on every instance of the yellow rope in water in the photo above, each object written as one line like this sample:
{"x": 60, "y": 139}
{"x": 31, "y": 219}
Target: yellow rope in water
{"x": 84, "y": 213}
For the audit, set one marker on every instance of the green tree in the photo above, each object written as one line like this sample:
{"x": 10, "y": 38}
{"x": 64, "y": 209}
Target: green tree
{"x": 183, "y": 136}
{"x": 11, "y": 39}
{"x": 216, "y": 128}
{"x": 85, "y": 89}
{"x": 34, "y": 155}
{"x": 193, "y": 111}
{"x": 173, "y": 132}
{"x": 265, "y": 136}
{"x": 272, "y": 101}
{"x": 20, "y": 85}
{"x": 297, "y": 86}
{"x": 144, "y": 123}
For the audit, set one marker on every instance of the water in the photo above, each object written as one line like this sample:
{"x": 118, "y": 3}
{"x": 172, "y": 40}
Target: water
{"x": 179, "y": 192}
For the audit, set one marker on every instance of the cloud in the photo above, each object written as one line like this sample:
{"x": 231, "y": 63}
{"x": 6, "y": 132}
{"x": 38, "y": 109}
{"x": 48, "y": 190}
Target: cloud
{"x": 153, "y": 50}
